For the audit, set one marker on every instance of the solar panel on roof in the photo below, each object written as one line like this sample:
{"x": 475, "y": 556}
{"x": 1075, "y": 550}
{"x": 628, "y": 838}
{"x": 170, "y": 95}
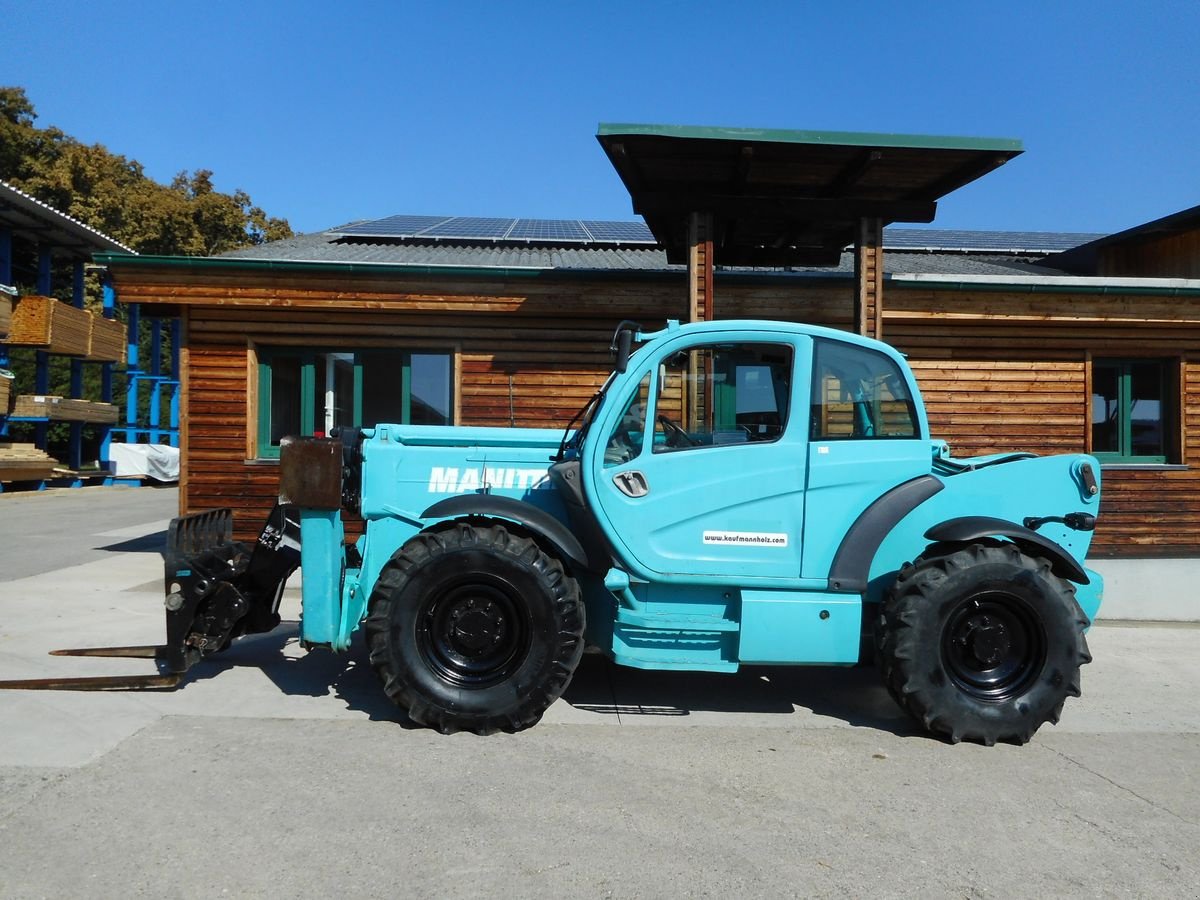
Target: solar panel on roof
{"x": 485, "y": 228}
{"x": 626, "y": 232}
{"x": 393, "y": 226}
{"x": 477, "y": 227}
{"x": 548, "y": 230}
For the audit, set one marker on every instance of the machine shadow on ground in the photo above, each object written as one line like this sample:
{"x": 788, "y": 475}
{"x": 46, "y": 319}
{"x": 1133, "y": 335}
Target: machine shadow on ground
{"x": 853, "y": 695}
{"x": 147, "y": 543}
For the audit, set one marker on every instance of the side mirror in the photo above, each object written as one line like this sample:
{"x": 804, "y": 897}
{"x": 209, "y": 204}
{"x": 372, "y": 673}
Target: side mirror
{"x": 621, "y": 343}
{"x": 624, "y": 342}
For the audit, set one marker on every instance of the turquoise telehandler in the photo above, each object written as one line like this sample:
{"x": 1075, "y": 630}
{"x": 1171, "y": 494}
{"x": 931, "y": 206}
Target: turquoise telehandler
{"x": 738, "y": 493}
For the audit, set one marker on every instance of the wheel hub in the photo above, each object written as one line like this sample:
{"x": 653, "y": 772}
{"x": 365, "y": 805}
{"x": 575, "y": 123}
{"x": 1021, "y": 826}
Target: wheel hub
{"x": 473, "y": 633}
{"x": 476, "y": 628}
{"x": 987, "y": 641}
{"x": 993, "y": 646}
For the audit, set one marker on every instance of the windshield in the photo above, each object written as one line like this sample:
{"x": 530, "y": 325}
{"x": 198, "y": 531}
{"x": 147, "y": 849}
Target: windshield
{"x": 588, "y": 414}
{"x": 585, "y": 417}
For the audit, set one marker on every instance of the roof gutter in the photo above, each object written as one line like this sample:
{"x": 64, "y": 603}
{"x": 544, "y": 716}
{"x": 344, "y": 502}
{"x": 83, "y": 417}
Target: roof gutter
{"x": 242, "y": 264}
{"x": 1053, "y": 284}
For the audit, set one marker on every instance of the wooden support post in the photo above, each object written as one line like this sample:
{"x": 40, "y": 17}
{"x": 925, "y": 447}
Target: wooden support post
{"x": 868, "y": 279}
{"x": 701, "y": 306}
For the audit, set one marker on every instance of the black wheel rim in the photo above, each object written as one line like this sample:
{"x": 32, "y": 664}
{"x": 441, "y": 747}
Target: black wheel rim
{"x": 474, "y": 632}
{"x": 993, "y": 646}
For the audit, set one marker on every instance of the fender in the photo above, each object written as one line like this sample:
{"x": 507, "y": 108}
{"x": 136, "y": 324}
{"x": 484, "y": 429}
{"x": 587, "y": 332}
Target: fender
{"x": 525, "y": 514}
{"x": 972, "y": 528}
{"x": 852, "y": 563}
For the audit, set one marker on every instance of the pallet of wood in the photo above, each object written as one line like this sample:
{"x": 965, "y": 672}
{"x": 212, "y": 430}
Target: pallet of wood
{"x": 5, "y": 392}
{"x": 25, "y": 462}
{"x": 51, "y": 325}
{"x": 61, "y": 409}
{"x": 108, "y": 341}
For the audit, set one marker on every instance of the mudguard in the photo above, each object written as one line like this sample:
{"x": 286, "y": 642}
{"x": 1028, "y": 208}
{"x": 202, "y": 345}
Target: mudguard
{"x": 525, "y": 514}
{"x": 852, "y": 563}
{"x": 971, "y": 528}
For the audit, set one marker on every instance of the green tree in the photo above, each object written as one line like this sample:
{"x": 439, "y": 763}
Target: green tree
{"x": 113, "y": 194}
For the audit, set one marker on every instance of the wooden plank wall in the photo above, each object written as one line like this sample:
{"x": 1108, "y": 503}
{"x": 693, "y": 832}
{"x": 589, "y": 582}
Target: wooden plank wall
{"x": 999, "y": 371}
{"x": 530, "y": 352}
{"x": 1171, "y": 256}
{"x": 992, "y": 406}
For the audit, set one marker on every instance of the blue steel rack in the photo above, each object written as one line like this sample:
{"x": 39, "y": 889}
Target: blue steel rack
{"x": 161, "y": 385}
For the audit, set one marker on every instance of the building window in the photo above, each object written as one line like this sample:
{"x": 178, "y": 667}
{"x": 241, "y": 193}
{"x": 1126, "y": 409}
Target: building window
{"x": 859, "y": 394}
{"x": 311, "y": 392}
{"x": 1133, "y": 413}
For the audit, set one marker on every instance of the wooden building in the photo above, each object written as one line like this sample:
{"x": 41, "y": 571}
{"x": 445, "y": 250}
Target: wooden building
{"x": 1041, "y": 342}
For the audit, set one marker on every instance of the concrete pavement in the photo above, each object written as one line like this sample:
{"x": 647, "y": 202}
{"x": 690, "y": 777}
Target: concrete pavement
{"x": 278, "y": 772}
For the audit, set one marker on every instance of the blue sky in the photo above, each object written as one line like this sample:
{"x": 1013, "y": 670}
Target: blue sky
{"x": 328, "y": 112}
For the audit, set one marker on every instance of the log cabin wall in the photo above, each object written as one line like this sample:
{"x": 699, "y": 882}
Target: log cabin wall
{"x": 999, "y": 371}
{"x": 528, "y": 352}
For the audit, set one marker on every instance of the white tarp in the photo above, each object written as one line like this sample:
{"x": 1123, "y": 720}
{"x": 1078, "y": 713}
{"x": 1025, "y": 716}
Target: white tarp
{"x": 156, "y": 461}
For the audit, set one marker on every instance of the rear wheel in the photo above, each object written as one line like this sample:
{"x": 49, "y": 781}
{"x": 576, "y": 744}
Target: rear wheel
{"x": 474, "y": 628}
{"x": 982, "y": 643}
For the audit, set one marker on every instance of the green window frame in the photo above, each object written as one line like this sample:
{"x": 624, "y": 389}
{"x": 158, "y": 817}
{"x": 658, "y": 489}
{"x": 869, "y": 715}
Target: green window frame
{"x": 289, "y": 375}
{"x": 1134, "y": 410}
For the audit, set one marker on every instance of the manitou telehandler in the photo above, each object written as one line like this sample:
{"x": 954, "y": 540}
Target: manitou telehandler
{"x": 737, "y": 493}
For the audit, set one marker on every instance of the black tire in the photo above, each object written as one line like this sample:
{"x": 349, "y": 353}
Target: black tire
{"x": 982, "y": 643}
{"x": 516, "y": 652}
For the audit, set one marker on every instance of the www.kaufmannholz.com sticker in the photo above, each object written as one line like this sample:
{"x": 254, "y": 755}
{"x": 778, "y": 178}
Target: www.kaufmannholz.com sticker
{"x": 754, "y": 538}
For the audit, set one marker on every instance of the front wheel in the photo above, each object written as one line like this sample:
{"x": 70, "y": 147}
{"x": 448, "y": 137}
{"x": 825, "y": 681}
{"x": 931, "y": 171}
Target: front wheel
{"x": 982, "y": 643}
{"x": 473, "y": 628}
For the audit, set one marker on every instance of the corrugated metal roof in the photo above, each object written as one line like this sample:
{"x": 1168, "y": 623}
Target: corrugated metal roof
{"x": 30, "y": 217}
{"x": 332, "y": 247}
{"x": 788, "y": 198}
{"x": 951, "y": 240}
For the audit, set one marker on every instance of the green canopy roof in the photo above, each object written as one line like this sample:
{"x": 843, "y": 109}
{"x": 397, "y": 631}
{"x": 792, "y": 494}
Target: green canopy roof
{"x": 788, "y": 197}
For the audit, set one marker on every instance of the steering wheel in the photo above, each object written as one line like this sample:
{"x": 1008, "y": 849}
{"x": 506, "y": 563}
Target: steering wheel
{"x": 676, "y": 436}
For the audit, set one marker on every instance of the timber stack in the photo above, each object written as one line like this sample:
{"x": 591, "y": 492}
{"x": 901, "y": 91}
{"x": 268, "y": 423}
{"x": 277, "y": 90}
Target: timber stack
{"x": 107, "y": 342}
{"x": 61, "y": 409}
{"x": 48, "y": 324}
{"x": 25, "y": 462}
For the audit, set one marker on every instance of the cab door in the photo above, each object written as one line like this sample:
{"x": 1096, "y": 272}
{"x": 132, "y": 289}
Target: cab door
{"x": 699, "y": 471}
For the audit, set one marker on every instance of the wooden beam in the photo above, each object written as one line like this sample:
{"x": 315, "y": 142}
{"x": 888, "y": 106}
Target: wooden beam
{"x": 823, "y": 209}
{"x": 700, "y": 267}
{"x": 853, "y": 173}
{"x": 868, "y": 279}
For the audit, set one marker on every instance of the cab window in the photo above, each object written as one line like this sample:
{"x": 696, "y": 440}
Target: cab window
{"x": 858, "y": 394}
{"x": 722, "y": 394}
{"x": 625, "y": 442}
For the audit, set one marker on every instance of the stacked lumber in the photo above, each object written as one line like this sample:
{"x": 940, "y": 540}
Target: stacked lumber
{"x": 47, "y": 324}
{"x": 61, "y": 409}
{"x": 108, "y": 341}
{"x": 5, "y": 392}
{"x": 25, "y": 462}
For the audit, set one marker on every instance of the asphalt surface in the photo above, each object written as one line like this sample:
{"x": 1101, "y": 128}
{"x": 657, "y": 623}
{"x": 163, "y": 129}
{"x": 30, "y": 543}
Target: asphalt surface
{"x": 275, "y": 772}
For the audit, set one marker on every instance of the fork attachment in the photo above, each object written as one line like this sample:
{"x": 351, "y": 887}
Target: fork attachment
{"x": 216, "y": 589}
